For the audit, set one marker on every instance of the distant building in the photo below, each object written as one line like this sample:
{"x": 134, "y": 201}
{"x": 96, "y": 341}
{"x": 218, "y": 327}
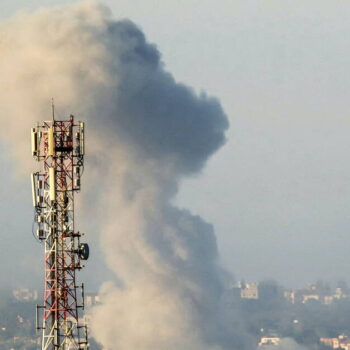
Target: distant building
{"x": 328, "y": 299}
{"x": 313, "y": 293}
{"x": 245, "y": 290}
{"x": 340, "y": 294}
{"x": 91, "y": 300}
{"x": 249, "y": 291}
{"x": 318, "y": 292}
{"x": 268, "y": 341}
{"x": 290, "y": 295}
{"x": 342, "y": 342}
{"x": 24, "y": 294}
{"x": 308, "y": 297}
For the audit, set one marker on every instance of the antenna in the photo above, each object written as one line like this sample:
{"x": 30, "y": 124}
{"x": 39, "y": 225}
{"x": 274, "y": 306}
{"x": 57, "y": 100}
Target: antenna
{"x": 57, "y": 145}
{"x": 53, "y": 108}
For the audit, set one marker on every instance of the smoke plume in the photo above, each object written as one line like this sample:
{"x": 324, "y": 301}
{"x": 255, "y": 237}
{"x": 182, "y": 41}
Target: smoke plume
{"x": 145, "y": 133}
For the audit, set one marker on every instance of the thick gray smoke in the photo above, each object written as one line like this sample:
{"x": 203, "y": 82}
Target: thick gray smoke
{"x": 145, "y": 132}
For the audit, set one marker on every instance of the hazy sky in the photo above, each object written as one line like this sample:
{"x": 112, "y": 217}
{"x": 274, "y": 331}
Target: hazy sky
{"x": 279, "y": 192}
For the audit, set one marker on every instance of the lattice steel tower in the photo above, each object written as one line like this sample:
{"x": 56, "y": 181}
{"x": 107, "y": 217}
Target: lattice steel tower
{"x": 59, "y": 146}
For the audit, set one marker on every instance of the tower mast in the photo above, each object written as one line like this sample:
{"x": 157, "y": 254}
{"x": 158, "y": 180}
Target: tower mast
{"x": 59, "y": 145}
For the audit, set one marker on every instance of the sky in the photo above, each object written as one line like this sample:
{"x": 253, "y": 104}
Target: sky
{"x": 278, "y": 192}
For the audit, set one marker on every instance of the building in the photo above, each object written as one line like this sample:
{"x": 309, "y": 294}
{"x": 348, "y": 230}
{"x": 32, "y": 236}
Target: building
{"x": 249, "y": 291}
{"x": 24, "y": 294}
{"x": 91, "y": 300}
{"x": 268, "y": 341}
{"x": 314, "y": 293}
{"x": 308, "y": 297}
{"x": 290, "y": 295}
{"x": 340, "y": 294}
{"x": 342, "y": 342}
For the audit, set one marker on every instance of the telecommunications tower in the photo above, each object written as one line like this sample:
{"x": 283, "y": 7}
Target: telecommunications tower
{"x": 59, "y": 146}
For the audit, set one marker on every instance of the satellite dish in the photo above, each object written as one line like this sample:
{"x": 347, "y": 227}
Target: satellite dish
{"x": 84, "y": 251}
